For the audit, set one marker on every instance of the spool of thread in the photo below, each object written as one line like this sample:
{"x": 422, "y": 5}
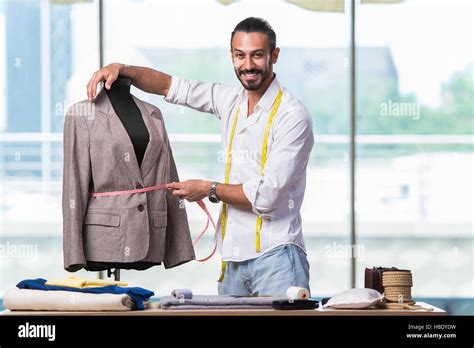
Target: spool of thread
{"x": 297, "y": 293}
{"x": 181, "y": 294}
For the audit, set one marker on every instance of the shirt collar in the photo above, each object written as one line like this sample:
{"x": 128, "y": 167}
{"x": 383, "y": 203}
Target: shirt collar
{"x": 267, "y": 99}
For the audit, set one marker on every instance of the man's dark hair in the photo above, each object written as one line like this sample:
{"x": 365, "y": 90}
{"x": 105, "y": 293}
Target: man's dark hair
{"x": 256, "y": 25}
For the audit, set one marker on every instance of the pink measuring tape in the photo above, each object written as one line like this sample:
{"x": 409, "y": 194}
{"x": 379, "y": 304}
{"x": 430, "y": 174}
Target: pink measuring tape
{"x": 160, "y": 187}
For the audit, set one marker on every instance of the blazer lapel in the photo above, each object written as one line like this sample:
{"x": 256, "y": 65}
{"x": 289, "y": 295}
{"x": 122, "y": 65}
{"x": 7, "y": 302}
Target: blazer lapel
{"x": 104, "y": 106}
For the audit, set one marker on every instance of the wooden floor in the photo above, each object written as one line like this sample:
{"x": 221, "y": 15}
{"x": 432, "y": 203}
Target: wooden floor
{"x": 246, "y": 312}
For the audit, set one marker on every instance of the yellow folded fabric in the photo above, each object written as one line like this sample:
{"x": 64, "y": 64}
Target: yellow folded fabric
{"x": 78, "y": 282}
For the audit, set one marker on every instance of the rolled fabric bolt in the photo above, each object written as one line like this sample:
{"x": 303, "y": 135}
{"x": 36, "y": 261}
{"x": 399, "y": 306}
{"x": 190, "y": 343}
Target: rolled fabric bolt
{"x": 297, "y": 293}
{"x": 182, "y": 294}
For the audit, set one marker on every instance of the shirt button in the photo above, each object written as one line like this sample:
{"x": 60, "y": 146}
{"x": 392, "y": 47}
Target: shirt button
{"x": 139, "y": 186}
{"x": 141, "y": 207}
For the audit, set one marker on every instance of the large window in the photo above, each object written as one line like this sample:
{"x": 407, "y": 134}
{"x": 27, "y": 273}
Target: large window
{"x": 414, "y": 192}
{"x": 47, "y": 52}
{"x": 313, "y": 65}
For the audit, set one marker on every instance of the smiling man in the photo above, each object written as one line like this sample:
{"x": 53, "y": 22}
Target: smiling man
{"x": 267, "y": 138}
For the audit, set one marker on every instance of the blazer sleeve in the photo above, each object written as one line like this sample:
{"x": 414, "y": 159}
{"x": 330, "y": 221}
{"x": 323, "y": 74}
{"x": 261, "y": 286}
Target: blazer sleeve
{"x": 179, "y": 245}
{"x": 75, "y": 194}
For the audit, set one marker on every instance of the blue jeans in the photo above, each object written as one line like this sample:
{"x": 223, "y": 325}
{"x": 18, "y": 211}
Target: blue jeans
{"x": 270, "y": 274}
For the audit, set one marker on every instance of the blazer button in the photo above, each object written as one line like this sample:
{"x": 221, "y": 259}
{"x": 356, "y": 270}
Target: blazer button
{"x": 141, "y": 207}
{"x": 139, "y": 186}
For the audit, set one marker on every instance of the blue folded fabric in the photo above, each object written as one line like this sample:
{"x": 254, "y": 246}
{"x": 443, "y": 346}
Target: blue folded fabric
{"x": 138, "y": 295}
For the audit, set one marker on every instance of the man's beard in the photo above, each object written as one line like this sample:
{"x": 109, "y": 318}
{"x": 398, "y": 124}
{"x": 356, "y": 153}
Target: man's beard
{"x": 252, "y": 85}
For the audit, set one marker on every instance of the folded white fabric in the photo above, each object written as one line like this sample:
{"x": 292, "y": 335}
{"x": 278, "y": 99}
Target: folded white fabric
{"x": 58, "y": 300}
{"x": 355, "y": 299}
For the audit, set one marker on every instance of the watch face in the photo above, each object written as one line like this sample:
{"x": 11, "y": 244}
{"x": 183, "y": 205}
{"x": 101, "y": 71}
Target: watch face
{"x": 213, "y": 199}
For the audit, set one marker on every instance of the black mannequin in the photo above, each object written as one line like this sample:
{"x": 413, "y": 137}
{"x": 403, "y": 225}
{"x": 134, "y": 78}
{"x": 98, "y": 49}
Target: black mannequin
{"x": 132, "y": 120}
{"x": 129, "y": 113}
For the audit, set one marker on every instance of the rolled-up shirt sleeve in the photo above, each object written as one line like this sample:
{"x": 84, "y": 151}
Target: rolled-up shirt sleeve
{"x": 177, "y": 95}
{"x": 285, "y": 165}
{"x": 212, "y": 98}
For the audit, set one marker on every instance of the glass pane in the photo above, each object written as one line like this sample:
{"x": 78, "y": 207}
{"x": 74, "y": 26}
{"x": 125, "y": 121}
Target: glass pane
{"x": 414, "y": 193}
{"x": 47, "y": 50}
{"x": 191, "y": 39}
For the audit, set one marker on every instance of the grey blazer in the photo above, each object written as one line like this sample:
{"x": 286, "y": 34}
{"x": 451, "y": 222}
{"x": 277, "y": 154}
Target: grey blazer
{"x": 99, "y": 157}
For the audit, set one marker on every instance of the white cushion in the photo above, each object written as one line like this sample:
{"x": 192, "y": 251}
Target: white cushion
{"x": 355, "y": 299}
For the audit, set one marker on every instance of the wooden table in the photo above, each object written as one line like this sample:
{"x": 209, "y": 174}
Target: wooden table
{"x": 246, "y": 312}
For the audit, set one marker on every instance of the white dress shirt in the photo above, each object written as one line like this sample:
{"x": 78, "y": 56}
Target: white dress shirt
{"x": 277, "y": 195}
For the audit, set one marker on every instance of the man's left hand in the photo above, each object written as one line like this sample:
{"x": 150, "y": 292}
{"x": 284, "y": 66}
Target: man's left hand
{"x": 191, "y": 190}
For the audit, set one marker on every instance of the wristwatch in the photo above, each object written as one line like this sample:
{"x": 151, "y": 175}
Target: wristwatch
{"x": 212, "y": 194}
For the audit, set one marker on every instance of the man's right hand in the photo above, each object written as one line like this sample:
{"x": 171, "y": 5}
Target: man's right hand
{"x": 146, "y": 79}
{"x": 108, "y": 74}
